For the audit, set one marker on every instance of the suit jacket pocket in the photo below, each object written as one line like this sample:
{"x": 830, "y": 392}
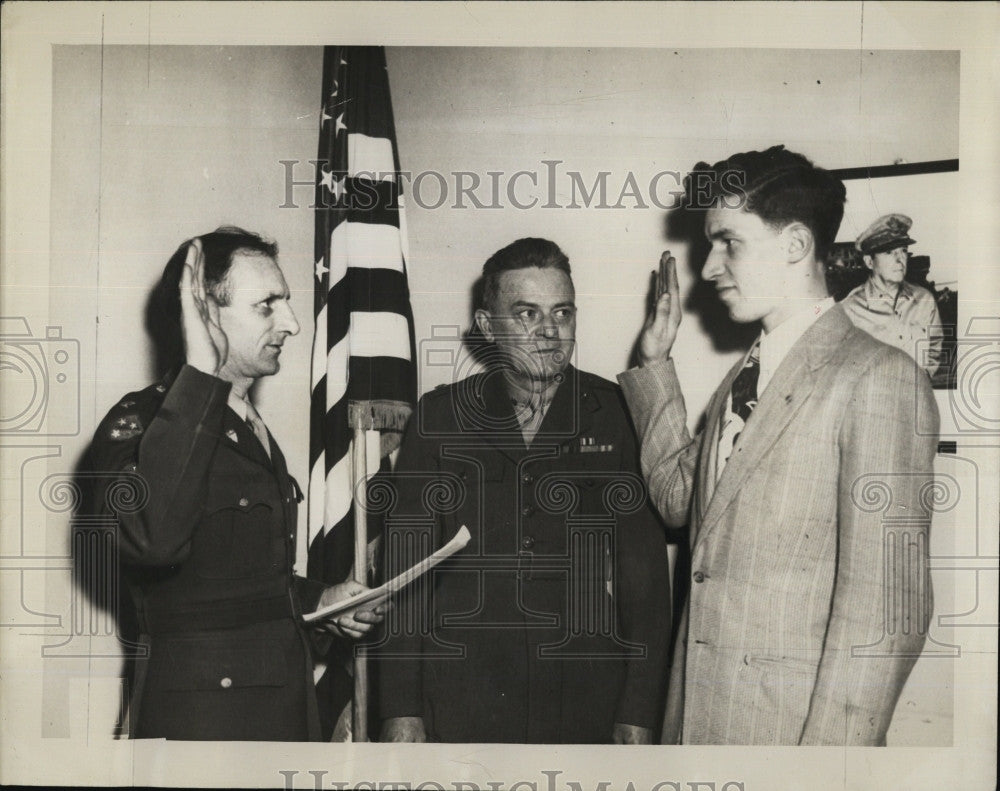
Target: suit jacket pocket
{"x": 190, "y": 665}
{"x": 234, "y": 538}
{"x": 784, "y": 664}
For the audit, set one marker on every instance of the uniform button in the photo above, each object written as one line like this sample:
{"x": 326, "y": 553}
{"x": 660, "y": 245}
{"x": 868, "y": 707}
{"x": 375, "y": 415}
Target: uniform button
{"x": 699, "y": 576}
{"x": 226, "y": 683}
{"x": 527, "y": 542}
{"x": 244, "y": 502}
{"x": 528, "y": 510}
{"x": 527, "y": 477}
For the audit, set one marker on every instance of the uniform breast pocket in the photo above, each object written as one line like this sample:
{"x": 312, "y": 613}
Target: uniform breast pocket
{"x": 476, "y": 497}
{"x": 238, "y": 535}
{"x": 587, "y": 485}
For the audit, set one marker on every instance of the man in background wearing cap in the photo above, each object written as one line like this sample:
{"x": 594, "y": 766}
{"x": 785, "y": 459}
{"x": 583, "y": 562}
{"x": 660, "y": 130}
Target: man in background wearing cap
{"x": 886, "y": 306}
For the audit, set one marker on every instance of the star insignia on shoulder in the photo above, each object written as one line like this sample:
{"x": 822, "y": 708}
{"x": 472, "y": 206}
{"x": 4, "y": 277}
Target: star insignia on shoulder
{"x": 127, "y": 427}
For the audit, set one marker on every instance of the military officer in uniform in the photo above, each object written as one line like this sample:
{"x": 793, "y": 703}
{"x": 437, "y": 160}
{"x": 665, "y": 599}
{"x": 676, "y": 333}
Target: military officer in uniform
{"x": 552, "y": 625}
{"x": 886, "y": 306}
{"x": 207, "y": 537}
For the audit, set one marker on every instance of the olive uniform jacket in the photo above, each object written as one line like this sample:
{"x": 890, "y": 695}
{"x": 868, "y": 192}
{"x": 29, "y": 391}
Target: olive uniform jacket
{"x": 207, "y": 543}
{"x": 809, "y": 597}
{"x": 554, "y": 622}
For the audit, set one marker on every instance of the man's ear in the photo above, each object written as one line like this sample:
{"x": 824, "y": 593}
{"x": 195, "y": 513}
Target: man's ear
{"x": 869, "y": 261}
{"x": 484, "y": 322}
{"x": 799, "y": 242}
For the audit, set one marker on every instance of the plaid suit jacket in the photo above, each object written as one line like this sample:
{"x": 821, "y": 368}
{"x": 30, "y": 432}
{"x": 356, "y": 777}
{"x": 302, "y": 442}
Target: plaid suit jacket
{"x": 809, "y": 597}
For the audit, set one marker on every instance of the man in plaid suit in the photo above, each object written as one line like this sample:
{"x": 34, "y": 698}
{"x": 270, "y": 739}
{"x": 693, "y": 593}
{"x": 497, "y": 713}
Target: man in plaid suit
{"x": 805, "y": 493}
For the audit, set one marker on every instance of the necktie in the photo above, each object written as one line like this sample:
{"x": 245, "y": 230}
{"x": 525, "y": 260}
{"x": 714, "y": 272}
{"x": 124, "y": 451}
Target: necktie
{"x": 257, "y": 426}
{"x": 530, "y": 414}
{"x": 745, "y": 385}
{"x": 744, "y": 399}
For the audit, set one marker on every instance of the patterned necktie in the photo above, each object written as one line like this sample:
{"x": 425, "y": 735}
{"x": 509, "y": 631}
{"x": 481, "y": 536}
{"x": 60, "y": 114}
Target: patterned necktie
{"x": 744, "y": 399}
{"x": 257, "y": 426}
{"x": 745, "y": 385}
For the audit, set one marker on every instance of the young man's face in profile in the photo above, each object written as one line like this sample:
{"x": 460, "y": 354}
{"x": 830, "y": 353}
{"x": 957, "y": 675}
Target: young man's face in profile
{"x": 748, "y": 263}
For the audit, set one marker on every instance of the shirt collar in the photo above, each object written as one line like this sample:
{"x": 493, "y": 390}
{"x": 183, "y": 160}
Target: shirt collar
{"x": 530, "y": 404}
{"x": 523, "y": 396}
{"x": 873, "y": 292}
{"x": 238, "y": 405}
{"x": 775, "y": 345}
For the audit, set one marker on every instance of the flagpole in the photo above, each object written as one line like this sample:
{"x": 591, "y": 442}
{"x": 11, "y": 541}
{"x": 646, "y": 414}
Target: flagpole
{"x": 359, "y": 728}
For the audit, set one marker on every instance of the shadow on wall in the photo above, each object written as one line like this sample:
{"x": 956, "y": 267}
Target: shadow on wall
{"x": 107, "y": 606}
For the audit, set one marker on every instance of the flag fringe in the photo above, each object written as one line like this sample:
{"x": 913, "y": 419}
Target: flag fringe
{"x": 388, "y": 417}
{"x": 378, "y": 415}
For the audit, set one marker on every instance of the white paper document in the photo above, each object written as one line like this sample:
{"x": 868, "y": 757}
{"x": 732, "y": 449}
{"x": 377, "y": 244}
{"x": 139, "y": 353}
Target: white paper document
{"x": 374, "y": 597}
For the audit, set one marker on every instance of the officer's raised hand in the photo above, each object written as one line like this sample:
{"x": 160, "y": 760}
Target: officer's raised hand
{"x": 660, "y": 329}
{"x": 205, "y": 344}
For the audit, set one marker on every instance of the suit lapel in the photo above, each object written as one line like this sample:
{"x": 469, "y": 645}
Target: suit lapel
{"x": 791, "y": 386}
{"x": 568, "y": 416}
{"x": 500, "y": 427}
{"x": 708, "y": 458}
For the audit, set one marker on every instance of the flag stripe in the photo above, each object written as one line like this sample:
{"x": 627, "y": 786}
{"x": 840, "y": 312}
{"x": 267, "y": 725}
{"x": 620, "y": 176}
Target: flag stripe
{"x": 368, "y": 373}
{"x": 380, "y": 245}
{"x": 363, "y": 350}
{"x": 372, "y": 156}
{"x": 379, "y": 335}
{"x": 371, "y": 290}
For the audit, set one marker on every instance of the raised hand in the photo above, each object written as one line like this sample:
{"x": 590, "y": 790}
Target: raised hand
{"x": 205, "y": 344}
{"x": 660, "y": 330}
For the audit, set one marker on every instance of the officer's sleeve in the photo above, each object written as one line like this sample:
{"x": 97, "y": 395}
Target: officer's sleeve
{"x": 164, "y": 466}
{"x": 643, "y": 595}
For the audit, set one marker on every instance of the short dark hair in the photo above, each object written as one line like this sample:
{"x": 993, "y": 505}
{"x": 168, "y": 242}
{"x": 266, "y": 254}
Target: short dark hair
{"x": 163, "y": 314}
{"x": 777, "y": 185}
{"x": 522, "y": 254}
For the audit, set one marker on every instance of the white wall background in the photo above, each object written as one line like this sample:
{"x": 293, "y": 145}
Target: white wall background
{"x": 152, "y": 145}
{"x": 643, "y": 112}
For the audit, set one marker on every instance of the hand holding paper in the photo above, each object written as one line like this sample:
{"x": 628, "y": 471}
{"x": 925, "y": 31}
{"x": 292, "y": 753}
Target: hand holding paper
{"x": 353, "y": 623}
{"x": 361, "y": 601}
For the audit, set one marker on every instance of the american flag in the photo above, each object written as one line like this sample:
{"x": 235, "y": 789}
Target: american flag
{"x": 363, "y": 350}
